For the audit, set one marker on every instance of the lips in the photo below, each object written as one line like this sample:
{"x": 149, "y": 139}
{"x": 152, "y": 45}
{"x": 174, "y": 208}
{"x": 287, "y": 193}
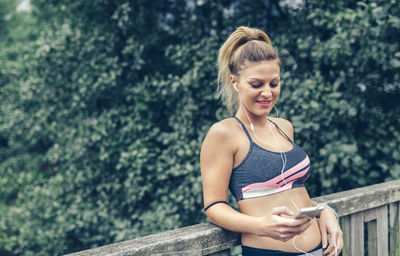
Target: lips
{"x": 264, "y": 103}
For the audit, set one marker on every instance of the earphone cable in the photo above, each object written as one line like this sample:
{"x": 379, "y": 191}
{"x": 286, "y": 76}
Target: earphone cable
{"x": 284, "y": 161}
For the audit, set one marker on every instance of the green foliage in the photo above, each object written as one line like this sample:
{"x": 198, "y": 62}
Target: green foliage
{"x": 19, "y": 167}
{"x": 101, "y": 127}
{"x": 345, "y": 84}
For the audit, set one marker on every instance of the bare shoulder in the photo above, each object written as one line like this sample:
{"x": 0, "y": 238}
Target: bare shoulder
{"x": 219, "y": 147}
{"x": 285, "y": 125}
{"x": 223, "y": 131}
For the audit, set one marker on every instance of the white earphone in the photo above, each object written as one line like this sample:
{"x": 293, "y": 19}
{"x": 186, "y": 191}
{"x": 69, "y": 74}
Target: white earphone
{"x": 235, "y": 87}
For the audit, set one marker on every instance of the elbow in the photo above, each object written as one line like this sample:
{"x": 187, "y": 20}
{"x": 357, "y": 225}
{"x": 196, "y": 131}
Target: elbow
{"x": 210, "y": 217}
{"x": 216, "y": 215}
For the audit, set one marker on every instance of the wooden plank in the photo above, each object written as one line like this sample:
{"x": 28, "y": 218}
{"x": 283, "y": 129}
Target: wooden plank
{"x": 372, "y": 242}
{"x": 383, "y": 232}
{"x": 205, "y": 238}
{"x": 360, "y": 199}
{"x": 357, "y": 234}
{"x": 200, "y": 239}
{"x": 394, "y": 227}
{"x": 370, "y": 214}
{"x": 370, "y": 217}
{"x": 346, "y": 229}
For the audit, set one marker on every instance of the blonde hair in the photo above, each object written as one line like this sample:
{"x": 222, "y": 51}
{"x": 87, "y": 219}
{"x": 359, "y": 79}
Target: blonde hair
{"x": 243, "y": 45}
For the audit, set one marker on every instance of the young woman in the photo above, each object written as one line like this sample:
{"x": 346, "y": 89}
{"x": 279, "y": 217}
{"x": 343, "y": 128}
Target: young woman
{"x": 255, "y": 157}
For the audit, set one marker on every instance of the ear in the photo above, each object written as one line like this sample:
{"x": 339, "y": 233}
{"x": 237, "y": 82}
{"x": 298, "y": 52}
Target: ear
{"x": 233, "y": 79}
{"x": 234, "y": 83}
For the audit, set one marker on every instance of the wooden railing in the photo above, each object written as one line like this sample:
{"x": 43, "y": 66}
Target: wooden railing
{"x": 371, "y": 210}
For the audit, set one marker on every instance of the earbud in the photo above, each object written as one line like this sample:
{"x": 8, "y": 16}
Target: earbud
{"x": 235, "y": 87}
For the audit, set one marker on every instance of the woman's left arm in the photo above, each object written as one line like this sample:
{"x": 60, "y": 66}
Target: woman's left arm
{"x": 329, "y": 225}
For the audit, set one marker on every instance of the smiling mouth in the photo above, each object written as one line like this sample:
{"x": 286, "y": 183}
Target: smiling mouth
{"x": 264, "y": 101}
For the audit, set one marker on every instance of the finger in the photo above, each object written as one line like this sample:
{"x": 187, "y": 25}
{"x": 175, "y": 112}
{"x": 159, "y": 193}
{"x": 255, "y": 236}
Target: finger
{"x": 304, "y": 226}
{"x": 281, "y": 210}
{"x": 300, "y": 222}
{"x": 296, "y": 230}
{"x": 332, "y": 242}
{"x": 294, "y": 224}
{"x": 328, "y": 250}
{"x": 339, "y": 243}
{"x": 332, "y": 252}
{"x": 324, "y": 237}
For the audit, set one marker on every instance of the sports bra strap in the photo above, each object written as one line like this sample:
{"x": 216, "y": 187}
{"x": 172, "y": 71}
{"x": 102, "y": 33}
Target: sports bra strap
{"x": 281, "y": 131}
{"x": 248, "y": 135}
{"x": 244, "y": 128}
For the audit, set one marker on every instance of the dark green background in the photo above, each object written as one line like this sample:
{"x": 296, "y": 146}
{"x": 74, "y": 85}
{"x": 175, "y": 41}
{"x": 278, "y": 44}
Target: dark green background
{"x": 105, "y": 103}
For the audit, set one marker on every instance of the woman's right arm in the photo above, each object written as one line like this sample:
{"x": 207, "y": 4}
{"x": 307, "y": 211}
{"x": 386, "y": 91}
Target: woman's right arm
{"x": 216, "y": 161}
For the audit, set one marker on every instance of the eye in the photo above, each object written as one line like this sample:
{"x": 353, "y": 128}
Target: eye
{"x": 273, "y": 85}
{"x": 256, "y": 85}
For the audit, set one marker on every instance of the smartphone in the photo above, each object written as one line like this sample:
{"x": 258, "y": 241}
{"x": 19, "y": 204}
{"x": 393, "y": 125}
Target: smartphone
{"x": 309, "y": 212}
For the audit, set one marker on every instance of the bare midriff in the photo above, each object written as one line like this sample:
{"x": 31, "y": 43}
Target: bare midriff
{"x": 260, "y": 206}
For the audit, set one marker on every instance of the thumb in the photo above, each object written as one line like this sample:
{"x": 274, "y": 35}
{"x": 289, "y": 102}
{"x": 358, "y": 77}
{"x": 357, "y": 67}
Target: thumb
{"x": 281, "y": 210}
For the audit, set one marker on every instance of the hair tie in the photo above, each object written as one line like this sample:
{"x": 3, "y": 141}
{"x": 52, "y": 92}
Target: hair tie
{"x": 253, "y": 39}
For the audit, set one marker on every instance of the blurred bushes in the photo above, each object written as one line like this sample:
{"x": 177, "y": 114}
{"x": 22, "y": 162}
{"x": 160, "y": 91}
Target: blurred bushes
{"x": 345, "y": 83}
{"x": 101, "y": 128}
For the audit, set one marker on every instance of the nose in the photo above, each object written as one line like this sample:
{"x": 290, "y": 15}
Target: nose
{"x": 266, "y": 92}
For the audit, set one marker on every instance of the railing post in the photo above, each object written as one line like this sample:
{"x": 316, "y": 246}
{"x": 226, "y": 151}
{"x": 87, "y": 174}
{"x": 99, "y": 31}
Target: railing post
{"x": 394, "y": 225}
{"x": 382, "y": 229}
{"x": 357, "y": 234}
{"x": 346, "y": 228}
{"x": 372, "y": 238}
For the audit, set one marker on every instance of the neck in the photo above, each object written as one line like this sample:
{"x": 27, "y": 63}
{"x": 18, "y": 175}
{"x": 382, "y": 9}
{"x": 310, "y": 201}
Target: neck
{"x": 249, "y": 118}
{"x": 259, "y": 123}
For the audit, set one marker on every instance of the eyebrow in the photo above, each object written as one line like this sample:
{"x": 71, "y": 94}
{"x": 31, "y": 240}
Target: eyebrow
{"x": 261, "y": 80}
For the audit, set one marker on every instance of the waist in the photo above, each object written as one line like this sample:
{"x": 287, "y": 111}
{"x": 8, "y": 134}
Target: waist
{"x": 306, "y": 241}
{"x": 260, "y": 206}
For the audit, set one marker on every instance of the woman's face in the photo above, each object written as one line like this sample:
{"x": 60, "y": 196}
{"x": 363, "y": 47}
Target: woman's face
{"x": 259, "y": 87}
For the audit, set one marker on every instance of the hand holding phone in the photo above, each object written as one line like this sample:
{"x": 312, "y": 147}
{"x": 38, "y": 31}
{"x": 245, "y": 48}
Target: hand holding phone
{"x": 309, "y": 212}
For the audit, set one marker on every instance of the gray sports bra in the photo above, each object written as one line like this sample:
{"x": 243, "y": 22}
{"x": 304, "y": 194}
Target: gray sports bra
{"x": 259, "y": 174}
